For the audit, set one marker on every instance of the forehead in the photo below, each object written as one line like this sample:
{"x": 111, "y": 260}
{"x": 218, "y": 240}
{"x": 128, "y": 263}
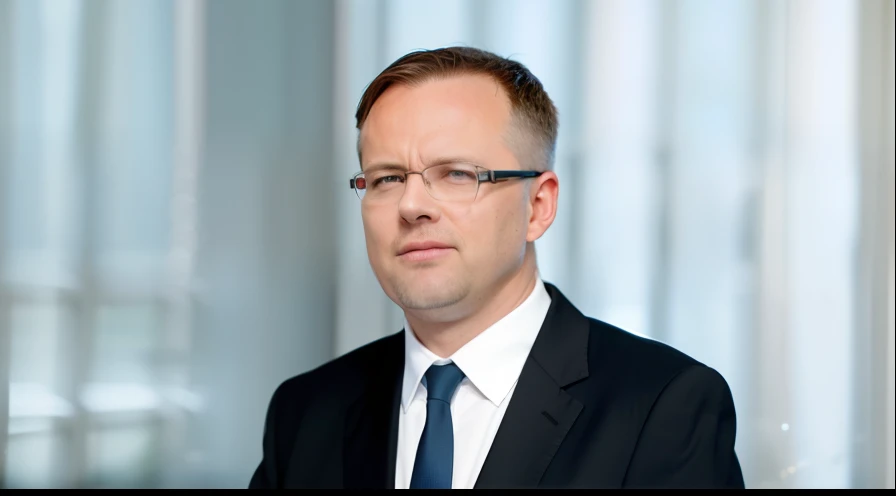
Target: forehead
{"x": 470, "y": 110}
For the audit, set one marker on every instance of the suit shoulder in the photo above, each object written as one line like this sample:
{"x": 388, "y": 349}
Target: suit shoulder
{"x": 345, "y": 373}
{"x": 637, "y": 357}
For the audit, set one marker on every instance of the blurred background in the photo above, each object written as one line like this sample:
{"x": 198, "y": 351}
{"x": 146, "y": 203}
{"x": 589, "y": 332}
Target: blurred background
{"x": 177, "y": 234}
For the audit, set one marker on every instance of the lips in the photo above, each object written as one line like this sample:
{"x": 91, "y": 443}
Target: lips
{"x": 424, "y": 250}
{"x": 422, "y": 245}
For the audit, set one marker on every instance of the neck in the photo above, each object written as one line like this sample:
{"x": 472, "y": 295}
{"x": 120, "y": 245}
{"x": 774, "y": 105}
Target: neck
{"x": 445, "y": 337}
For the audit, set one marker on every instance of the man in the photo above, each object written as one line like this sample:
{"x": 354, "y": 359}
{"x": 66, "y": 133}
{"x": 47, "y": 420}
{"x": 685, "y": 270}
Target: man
{"x": 496, "y": 380}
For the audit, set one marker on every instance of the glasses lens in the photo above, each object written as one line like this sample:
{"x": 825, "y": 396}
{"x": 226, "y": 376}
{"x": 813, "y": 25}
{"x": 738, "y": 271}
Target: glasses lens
{"x": 383, "y": 185}
{"x": 453, "y": 182}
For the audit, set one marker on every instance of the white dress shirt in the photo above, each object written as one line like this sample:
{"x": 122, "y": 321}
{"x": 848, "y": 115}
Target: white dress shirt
{"x": 491, "y": 363}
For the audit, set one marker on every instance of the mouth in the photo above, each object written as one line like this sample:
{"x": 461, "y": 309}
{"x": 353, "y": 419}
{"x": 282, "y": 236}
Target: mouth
{"x": 428, "y": 250}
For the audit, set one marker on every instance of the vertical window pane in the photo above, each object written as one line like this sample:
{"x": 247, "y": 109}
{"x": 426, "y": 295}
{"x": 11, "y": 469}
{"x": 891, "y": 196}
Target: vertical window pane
{"x": 43, "y": 224}
{"x": 135, "y": 154}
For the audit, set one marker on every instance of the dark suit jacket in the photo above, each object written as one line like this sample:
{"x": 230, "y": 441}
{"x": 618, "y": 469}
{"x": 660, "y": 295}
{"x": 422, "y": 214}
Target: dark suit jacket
{"x": 595, "y": 407}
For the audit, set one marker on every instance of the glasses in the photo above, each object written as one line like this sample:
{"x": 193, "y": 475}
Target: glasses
{"x": 455, "y": 182}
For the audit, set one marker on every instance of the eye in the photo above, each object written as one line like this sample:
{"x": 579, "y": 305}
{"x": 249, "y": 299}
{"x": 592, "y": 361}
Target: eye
{"x": 458, "y": 174}
{"x": 387, "y": 179}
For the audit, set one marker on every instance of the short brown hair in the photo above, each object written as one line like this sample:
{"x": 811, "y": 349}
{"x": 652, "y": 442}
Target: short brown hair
{"x": 531, "y": 106}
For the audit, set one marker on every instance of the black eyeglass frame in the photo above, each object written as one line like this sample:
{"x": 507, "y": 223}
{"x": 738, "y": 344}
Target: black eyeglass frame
{"x": 482, "y": 175}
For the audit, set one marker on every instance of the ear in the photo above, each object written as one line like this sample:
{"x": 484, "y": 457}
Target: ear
{"x": 543, "y": 195}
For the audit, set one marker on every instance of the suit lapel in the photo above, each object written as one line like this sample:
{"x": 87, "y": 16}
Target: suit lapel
{"x": 371, "y": 424}
{"x": 536, "y": 422}
{"x": 540, "y": 412}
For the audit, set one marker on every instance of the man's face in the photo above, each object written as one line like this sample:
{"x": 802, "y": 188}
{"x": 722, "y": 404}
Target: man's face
{"x": 482, "y": 242}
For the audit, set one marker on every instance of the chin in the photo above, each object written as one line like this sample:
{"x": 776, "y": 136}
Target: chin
{"x": 427, "y": 295}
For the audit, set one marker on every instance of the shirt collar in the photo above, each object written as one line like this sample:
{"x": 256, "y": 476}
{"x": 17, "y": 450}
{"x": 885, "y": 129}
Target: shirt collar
{"x": 493, "y": 360}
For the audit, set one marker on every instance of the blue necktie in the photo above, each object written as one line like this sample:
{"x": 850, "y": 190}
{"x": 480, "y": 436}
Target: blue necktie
{"x": 434, "y": 463}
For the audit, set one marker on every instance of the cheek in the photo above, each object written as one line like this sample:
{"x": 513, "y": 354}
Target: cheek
{"x": 506, "y": 234}
{"x": 512, "y": 231}
{"x": 375, "y": 233}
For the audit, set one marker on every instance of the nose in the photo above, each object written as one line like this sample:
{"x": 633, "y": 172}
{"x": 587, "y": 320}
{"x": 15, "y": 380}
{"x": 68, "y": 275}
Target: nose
{"x": 416, "y": 204}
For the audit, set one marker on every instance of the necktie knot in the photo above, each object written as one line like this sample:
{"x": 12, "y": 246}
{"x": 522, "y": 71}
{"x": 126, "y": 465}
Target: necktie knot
{"x": 441, "y": 381}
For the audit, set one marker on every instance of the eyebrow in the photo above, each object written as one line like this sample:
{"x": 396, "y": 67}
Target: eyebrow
{"x": 437, "y": 161}
{"x": 383, "y": 166}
